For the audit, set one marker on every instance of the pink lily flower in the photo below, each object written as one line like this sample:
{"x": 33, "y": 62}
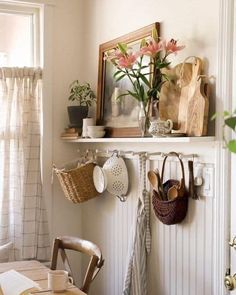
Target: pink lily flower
{"x": 127, "y": 61}
{"x": 152, "y": 48}
{"x": 171, "y": 46}
{"x": 113, "y": 56}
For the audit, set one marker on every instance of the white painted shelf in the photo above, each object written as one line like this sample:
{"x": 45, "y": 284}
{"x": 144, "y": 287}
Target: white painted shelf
{"x": 142, "y": 139}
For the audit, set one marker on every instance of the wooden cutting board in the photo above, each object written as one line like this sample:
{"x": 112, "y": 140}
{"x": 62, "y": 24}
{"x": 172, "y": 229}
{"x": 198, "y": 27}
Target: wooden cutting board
{"x": 197, "y": 111}
{"x": 170, "y": 91}
{"x": 185, "y": 99}
{"x": 188, "y": 91}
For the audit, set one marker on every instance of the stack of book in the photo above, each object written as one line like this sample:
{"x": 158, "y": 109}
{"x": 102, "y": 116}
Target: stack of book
{"x": 70, "y": 133}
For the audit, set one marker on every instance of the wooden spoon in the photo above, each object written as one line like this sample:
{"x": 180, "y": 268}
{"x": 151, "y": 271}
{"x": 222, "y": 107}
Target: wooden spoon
{"x": 154, "y": 178}
{"x": 172, "y": 193}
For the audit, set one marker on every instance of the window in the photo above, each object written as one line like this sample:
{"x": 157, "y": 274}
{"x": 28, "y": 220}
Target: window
{"x": 19, "y": 34}
{"x": 22, "y": 213}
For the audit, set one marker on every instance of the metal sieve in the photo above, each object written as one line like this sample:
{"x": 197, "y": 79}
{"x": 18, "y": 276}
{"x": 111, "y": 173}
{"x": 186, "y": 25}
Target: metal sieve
{"x": 113, "y": 176}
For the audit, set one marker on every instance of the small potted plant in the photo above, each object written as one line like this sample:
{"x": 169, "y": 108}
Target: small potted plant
{"x": 84, "y": 95}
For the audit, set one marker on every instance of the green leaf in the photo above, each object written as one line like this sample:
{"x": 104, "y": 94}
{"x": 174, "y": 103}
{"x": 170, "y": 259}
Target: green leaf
{"x": 120, "y": 77}
{"x": 145, "y": 80}
{"x": 123, "y": 47}
{"x": 132, "y": 75}
{"x": 117, "y": 73}
{"x": 121, "y": 95}
{"x": 143, "y": 67}
{"x": 143, "y": 43}
{"x": 155, "y": 34}
{"x": 135, "y": 95}
{"x": 214, "y": 116}
{"x": 163, "y": 65}
{"x": 166, "y": 77}
{"x": 231, "y": 122}
{"x": 71, "y": 97}
{"x": 226, "y": 114}
{"x": 141, "y": 91}
{"x": 231, "y": 145}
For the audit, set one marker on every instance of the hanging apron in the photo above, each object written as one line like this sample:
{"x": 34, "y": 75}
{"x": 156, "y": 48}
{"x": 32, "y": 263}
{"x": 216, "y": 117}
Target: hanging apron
{"x": 136, "y": 274}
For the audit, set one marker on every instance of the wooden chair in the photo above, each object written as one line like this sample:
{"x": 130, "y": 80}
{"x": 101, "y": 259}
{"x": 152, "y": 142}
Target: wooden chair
{"x": 83, "y": 246}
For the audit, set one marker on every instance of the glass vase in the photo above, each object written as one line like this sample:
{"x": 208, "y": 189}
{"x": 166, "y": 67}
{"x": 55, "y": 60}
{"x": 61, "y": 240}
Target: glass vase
{"x": 152, "y": 114}
{"x": 142, "y": 118}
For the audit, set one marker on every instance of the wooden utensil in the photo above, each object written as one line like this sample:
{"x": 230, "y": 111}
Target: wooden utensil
{"x": 192, "y": 189}
{"x": 160, "y": 185}
{"x": 172, "y": 193}
{"x": 154, "y": 178}
{"x": 181, "y": 188}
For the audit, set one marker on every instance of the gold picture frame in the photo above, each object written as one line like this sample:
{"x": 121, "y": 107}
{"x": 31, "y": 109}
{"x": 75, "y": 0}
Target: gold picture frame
{"x": 117, "y": 124}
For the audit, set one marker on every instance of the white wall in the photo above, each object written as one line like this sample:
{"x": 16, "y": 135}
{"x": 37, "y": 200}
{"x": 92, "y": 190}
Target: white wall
{"x": 184, "y": 20}
{"x": 66, "y": 52}
{"x": 181, "y": 262}
{"x": 62, "y": 51}
{"x": 183, "y": 257}
{"x": 62, "y": 65}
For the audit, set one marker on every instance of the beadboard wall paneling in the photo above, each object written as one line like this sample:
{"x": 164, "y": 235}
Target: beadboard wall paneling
{"x": 182, "y": 256}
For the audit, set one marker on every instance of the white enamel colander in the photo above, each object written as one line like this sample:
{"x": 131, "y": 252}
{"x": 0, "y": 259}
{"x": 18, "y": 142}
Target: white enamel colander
{"x": 113, "y": 176}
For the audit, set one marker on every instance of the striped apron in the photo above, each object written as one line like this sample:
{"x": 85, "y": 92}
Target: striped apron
{"x": 136, "y": 274}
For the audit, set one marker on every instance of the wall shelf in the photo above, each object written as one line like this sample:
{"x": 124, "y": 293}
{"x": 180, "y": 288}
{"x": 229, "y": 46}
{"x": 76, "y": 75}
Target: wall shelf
{"x": 143, "y": 140}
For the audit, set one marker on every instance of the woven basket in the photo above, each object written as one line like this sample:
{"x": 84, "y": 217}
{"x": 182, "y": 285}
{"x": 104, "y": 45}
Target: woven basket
{"x": 171, "y": 211}
{"x": 77, "y": 183}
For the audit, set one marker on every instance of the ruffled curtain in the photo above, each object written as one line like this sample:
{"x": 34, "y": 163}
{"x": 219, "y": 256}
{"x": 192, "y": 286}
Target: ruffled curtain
{"x": 22, "y": 215}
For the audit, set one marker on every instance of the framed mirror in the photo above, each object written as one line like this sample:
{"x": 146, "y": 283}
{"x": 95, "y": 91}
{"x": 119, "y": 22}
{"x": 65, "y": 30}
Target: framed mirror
{"x": 119, "y": 116}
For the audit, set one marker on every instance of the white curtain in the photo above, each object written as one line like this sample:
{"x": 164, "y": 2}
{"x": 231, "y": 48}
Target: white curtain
{"x": 23, "y": 218}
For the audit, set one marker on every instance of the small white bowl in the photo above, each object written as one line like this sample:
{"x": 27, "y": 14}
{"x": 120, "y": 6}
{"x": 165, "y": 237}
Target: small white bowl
{"x": 95, "y": 128}
{"x": 96, "y": 134}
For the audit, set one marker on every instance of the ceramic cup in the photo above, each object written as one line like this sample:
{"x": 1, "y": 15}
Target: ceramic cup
{"x": 58, "y": 280}
{"x": 87, "y": 122}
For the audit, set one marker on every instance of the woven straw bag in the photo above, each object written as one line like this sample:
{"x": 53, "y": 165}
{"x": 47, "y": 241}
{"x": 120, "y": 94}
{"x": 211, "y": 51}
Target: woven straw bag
{"x": 171, "y": 211}
{"x": 77, "y": 183}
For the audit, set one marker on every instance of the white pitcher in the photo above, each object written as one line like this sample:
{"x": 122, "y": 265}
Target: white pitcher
{"x": 159, "y": 127}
